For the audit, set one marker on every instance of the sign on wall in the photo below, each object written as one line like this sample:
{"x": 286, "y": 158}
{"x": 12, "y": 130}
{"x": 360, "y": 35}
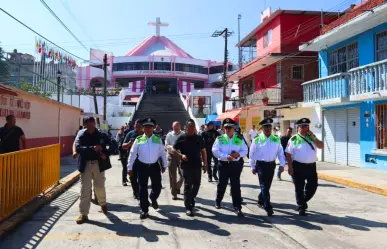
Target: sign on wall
{"x": 256, "y": 120}
{"x": 14, "y": 106}
{"x": 242, "y": 124}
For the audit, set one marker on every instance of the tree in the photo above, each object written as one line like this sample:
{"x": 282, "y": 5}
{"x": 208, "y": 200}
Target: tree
{"x": 29, "y": 87}
{"x": 4, "y": 68}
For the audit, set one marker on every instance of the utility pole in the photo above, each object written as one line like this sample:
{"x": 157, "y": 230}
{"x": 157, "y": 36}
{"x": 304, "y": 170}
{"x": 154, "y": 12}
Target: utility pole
{"x": 58, "y": 74}
{"x": 239, "y": 40}
{"x": 226, "y": 34}
{"x": 95, "y": 105}
{"x": 104, "y": 87}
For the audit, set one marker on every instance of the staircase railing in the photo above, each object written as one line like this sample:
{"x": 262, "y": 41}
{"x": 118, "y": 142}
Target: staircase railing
{"x": 137, "y": 106}
{"x": 188, "y": 109}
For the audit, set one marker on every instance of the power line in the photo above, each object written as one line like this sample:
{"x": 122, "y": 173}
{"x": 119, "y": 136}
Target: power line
{"x": 40, "y": 34}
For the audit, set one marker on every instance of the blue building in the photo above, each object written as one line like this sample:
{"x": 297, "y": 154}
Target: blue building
{"x": 352, "y": 88}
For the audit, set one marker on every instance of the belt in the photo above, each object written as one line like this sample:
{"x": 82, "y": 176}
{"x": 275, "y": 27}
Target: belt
{"x": 149, "y": 164}
{"x": 264, "y": 162}
{"x": 304, "y": 164}
{"x": 229, "y": 162}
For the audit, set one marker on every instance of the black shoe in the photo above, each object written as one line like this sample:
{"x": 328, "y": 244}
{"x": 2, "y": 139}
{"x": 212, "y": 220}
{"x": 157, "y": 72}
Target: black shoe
{"x": 144, "y": 215}
{"x": 175, "y": 198}
{"x": 209, "y": 179}
{"x": 279, "y": 178}
{"x": 135, "y": 197}
{"x": 239, "y": 212}
{"x": 305, "y": 207}
{"x": 124, "y": 184}
{"x": 269, "y": 212}
{"x": 217, "y": 205}
{"x": 302, "y": 212}
{"x": 216, "y": 178}
{"x": 189, "y": 213}
{"x": 260, "y": 204}
{"x": 155, "y": 205}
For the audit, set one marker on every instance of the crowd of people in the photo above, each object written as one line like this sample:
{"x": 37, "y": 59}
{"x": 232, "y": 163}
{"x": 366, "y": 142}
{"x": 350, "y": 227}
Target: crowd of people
{"x": 146, "y": 154}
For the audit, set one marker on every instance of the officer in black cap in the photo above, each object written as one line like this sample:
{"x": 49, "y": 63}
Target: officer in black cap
{"x": 209, "y": 136}
{"x": 264, "y": 150}
{"x": 147, "y": 149}
{"x": 229, "y": 148}
{"x": 301, "y": 155}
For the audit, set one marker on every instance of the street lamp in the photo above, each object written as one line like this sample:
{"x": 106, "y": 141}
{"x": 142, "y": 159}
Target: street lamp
{"x": 58, "y": 74}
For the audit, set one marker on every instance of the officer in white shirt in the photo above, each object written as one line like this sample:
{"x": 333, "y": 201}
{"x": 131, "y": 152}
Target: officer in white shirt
{"x": 301, "y": 155}
{"x": 148, "y": 148}
{"x": 253, "y": 133}
{"x": 229, "y": 148}
{"x": 264, "y": 150}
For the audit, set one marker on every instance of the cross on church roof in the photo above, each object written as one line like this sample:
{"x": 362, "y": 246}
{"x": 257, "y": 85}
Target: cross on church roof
{"x": 158, "y": 24}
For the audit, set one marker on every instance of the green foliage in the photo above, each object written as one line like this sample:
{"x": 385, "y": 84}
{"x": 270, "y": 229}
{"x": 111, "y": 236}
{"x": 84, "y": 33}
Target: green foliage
{"x": 4, "y": 68}
{"x": 29, "y": 87}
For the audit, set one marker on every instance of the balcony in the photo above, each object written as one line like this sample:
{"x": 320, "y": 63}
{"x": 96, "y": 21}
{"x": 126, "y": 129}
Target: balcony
{"x": 369, "y": 81}
{"x": 331, "y": 90}
{"x": 274, "y": 95}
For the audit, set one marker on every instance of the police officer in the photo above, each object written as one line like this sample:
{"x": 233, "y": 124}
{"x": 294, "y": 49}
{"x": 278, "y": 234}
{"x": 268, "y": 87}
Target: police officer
{"x": 301, "y": 155}
{"x": 229, "y": 148}
{"x": 148, "y": 148}
{"x": 209, "y": 136}
{"x": 94, "y": 148}
{"x": 127, "y": 144}
{"x": 264, "y": 149}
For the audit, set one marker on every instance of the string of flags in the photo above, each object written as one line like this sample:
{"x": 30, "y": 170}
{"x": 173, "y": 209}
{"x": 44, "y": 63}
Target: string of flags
{"x": 42, "y": 47}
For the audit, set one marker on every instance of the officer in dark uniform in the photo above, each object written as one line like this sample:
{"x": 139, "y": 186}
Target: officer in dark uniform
{"x": 209, "y": 136}
{"x": 148, "y": 148}
{"x": 301, "y": 156}
{"x": 229, "y": 148}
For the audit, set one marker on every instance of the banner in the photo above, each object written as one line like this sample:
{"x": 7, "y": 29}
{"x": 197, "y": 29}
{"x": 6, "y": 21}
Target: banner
{"x": 242, "y": 124}
{"x": 255, "y": 121}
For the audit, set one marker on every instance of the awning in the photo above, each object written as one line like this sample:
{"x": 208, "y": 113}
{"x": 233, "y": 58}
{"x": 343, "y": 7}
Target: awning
{"x": 212, "y": 118}
{"x": 233, "y": 114}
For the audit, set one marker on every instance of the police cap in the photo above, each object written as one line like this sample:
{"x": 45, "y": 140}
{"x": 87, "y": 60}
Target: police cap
{"x": 303, "y": 121}
{"x": 266, "y": 122}
{"x": 228, "y": 122}
{"x": 148, "y": 122}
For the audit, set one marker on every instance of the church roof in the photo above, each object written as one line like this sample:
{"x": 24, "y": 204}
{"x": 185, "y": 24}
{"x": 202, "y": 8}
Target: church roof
{"x": 158, "y": 45}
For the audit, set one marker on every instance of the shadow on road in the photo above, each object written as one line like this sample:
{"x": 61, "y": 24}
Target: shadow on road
{"x": 32, "y": 232}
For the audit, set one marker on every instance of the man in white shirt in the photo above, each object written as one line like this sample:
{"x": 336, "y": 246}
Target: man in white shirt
{"x": 253, "y": 133}
{"x": 174, "y": 160}
{"x": 148, "y": 149}
{"x": 264, "y": 149}
{"x": 301, "y": 155}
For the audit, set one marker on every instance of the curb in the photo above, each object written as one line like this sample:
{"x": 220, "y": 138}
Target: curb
{"x": 354, "y": 184}
{"x": 25, "y": 212}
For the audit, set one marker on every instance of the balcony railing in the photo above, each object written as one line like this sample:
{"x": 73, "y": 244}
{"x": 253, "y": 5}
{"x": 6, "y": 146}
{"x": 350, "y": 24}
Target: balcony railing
{"x": 368, "y": 79}
{"x": 274, "y": 95}
{"x": 331, "y": 87}
{"x": 351, "y": 14}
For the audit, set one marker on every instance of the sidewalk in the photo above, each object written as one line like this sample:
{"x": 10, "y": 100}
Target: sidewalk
{"x": 371, "y": 180}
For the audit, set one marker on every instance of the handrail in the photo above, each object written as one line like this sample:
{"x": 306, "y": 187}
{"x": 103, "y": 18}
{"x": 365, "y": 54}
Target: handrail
{"x": 137, "y": 105}
{"x": 26, "y": 174}
{"x": 325, "y": 78}
{"x": 368, "y": 65}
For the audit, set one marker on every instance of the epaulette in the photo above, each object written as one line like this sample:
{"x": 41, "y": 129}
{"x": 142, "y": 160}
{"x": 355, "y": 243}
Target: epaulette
{"x": 293, "y": 138}
{"x": 138, "y": 136}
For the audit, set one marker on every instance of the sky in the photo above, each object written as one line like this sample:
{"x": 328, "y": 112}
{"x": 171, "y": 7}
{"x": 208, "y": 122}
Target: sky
{"x": 119, "y": 25}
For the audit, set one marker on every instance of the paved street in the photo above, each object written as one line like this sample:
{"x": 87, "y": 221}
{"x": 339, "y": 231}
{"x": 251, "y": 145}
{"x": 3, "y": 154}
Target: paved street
{"x": 339, "y": 217}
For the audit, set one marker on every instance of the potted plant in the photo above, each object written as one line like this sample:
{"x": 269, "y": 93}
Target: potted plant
{"x": 265, "y": 99}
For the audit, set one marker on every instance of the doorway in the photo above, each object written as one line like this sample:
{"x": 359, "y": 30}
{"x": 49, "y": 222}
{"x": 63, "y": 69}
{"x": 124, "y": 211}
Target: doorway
{"x": 162, "y": 85}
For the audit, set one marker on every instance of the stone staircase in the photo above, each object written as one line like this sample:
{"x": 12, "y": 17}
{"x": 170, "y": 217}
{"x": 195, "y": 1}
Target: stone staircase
{"x": 165, "y": 108}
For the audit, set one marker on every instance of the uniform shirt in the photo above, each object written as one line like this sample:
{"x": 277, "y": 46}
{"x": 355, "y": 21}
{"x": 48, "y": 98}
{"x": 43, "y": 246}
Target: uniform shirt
{"x": 148, "y": 150}
{"x": 191, "y": 146}
{"x": 209, "y": 137}
{"x": 301, "y": 150}
{"x": 224, "y": 146}
{"x": 253, "y": 134}
{"x": 10, "y": 139}
{"x": 266, "y": 149}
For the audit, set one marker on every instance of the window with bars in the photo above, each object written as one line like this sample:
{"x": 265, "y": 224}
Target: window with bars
{"x": 381, "y": 46}
{"x": 343, "y": 59}
{"x": 381, "y": 127}
{"x": 297, "y": 72}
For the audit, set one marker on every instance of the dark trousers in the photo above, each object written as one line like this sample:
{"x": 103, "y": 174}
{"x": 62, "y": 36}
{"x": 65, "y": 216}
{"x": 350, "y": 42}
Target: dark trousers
{"x": 304, "y": 190}
{"x": 229, "y": 171}
{"x": 124, "y": 162}
{"x": 134, "y": 179}
{"x": 146, "y": 171}
{"x": 211, "y": 171}
{"x": 192, "y": 178}
{"x": 265, "y": 172}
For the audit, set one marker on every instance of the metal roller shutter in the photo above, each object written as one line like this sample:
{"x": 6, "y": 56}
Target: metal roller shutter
{"x": 341, "y": 137}
{"x": 329, "y": 136}
{"x": 354, "y": 137}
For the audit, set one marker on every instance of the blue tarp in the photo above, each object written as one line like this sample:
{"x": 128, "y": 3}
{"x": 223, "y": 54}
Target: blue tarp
{"x": 213, "y": 119}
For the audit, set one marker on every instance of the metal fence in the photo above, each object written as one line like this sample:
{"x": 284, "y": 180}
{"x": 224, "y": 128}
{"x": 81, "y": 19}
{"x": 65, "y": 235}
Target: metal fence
{"x": 26, "y": 174}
